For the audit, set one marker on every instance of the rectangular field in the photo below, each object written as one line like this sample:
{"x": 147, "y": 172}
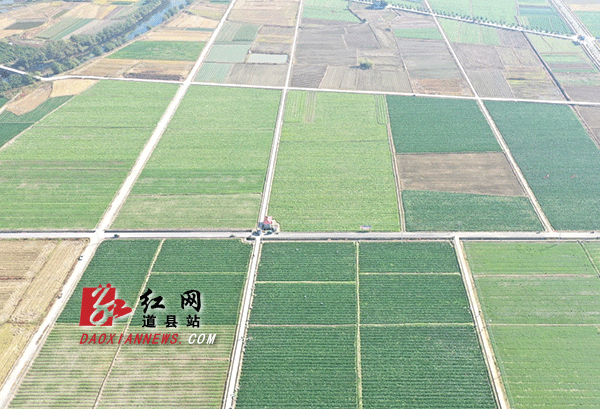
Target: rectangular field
{"x": 208, "y": 169}
{"x": 412, "y": 344}
{"x": 64, "y": 171}
{"x": 126, "y": 368}
{"x": 558, "y": 158}
{"x": 334, "y": 171}
{"x": 160, "y": 50}
{"x": 540, "y": 302}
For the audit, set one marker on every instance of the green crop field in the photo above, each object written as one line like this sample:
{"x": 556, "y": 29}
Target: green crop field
{"x": 228, "y": 53}
{"x": 415, "y": 330}
{"x": 65, "y": 170}
{"x": 594, "y": 251}
{"x": 319, "y": 370}
{"x": 557, "y": 300}
{"x": 307, "y": 261}
{"x": 209, "y": 168}
{"x": 125, "y": 264}
{"x": 213, "y": 72}
{"x": 459, "y": 32}
{"x": 543, "y": 18}
{"x": 304, "y": 304}
{"x": 407, "y": 257}
{"x": 446, "y": 211}
{"x": 413, "y": 298}
{"x": 160, "y": 50}
{"x": 9, "y": 131}
{"x": 496, "y": 10}
{"x": 65, "y": 26}
{"x": 540, "y": 302}
{"x": 327, "y": 10}
{"x": 558, "y": 159}
{"x": 429, "y": 125}
{"x": 591, "y": 19}
{"x": 198, "y": 256}
{"x": 527, "y": 258}
{"x": 426, "y": 367}
{"x": 335, "y": 173}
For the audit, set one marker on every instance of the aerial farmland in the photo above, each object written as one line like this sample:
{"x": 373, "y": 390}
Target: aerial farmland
{"x": 300, "y": 204}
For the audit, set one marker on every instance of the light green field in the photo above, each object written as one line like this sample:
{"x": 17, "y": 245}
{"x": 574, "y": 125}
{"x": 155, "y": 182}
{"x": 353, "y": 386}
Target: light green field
{"x": 213, "y": 72}
{"x": 591, "y": 19}
{"x": 527, "y": 258}
{"x": 495, "y": 10}
{"x": 209, "y": 167}
{"x": 228, "y": 53}
{"x": 160, "y": 50}
{"x": 64, "y": 171}
{"x": 541, "y": 304}
{"x": 335, "y": 174}
{"x": 459, "y": 32}
{"x": 445, "y": 211}
{"x": 328, "y": 10}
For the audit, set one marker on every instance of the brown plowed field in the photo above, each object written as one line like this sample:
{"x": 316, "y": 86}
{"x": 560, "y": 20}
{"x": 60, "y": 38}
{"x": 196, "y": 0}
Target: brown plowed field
{"x": 475, "y": 173}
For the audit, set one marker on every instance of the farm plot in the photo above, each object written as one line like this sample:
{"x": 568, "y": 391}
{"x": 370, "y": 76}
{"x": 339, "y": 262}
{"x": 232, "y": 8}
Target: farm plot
{"x": 329, "y": 56}
{"x": 571, "y": 67}
{"x": 540, "y": 304}
{"x": 131, "y": 364}
{"x": 565, "y": 182}
{"x": 64, "y": 171}
{"x": 460, "y": 32}
{"x": 160, "y": 50}
{"x": 399, "y": 333}
{"x": 473, "y": 190}
{"x": 327, "y": 10}
{"x": 319, "y": 369}
{"x": 342, "y": 157}
{"x": 209, "y": 168}
{"x": 31, "y": 276}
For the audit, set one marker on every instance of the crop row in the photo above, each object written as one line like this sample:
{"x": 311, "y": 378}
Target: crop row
{"x": 407, "y": 257}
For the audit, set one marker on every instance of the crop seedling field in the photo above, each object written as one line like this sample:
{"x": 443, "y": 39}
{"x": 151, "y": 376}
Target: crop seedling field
{"x": 557, "y": 157}
{"x": 405, "y": 336}
{"x": 160, "y": 50}
{"x": 327, "y": 10}
{"x": 342, "y": 157}
{"x": 126, "y": 265}
{"x": 540, "y": 301}
{"x": 64, "y": 171}
{"x": 429, "y": 125}
{"x": 209, "y": 168}
{"x": 447, "y": 211}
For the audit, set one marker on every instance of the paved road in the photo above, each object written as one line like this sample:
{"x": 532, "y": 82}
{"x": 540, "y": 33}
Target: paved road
{"x": 589, "y": 43}
{"x": 513, "y": 163}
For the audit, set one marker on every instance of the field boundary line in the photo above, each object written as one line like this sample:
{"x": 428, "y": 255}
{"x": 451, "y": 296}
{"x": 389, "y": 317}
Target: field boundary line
{"x": 301, "y": 325}
{"x": 38, "y": 338}
{"x": 589, "y": 256}
{"x": 422, "y": 324}
{"x": 137, "y": 302}
{"x": 481, "y": 329}
{"x": 123, "y": 193}
{"x": 266, "y": 194}
{"x": 239, "y": 342}
{"x": 398, "y": 179}
{"x": 409, "y": 274}
{"x": 515, "y": 167}
{"x": 305, "y": 282}
{"x": 359, "y": 391}
{"x": 499, "y": 324}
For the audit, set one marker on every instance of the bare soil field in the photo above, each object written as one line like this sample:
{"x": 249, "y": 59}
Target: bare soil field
{"x": 32, "y": 273}
{"x": 328, "y": 55}
{"x": 185, "y": 20}
{"x": 89, "y": 10}
{"x": 490, "y": 83}
{"x": 258, "y": 74}
{"x": 70, "y": 87}
{"x": 591, "y": 116}
{"x": 532, "y": 83}
{"x": 275, "y": 13}
{"x": 167, "y": 34}
{"x": 147, "y": 69}
{"x": 475, "y": 173}
{"x": 30, "y": 99}
{"x": 213, "y": 11}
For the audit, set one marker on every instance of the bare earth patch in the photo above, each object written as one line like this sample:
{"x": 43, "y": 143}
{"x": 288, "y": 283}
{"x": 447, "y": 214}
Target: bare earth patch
{"x": 30, "y": 101}
{"x": 277, "y": 12}
{"x": 475, "y": 173}
{"x": 178, "y": 35}
{"x": 70, "y": 87}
